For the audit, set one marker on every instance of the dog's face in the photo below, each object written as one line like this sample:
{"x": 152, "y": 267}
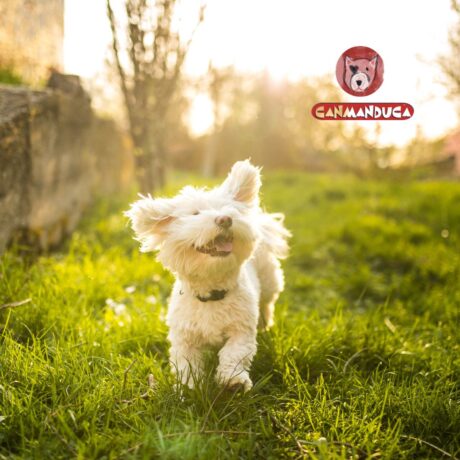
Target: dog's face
{"x": 359, "y": 73}
{"x": 200, "y": 231}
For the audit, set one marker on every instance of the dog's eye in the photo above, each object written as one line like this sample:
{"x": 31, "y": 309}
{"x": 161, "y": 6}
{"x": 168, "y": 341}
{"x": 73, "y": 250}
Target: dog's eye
{"x": 367, "y": 68}
{"x": 196, "y": 213}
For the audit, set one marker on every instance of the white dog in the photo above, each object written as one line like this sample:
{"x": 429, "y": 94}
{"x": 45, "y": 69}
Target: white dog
{"x": 224, "y": 251}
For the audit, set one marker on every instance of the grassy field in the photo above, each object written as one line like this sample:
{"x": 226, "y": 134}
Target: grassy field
{"x": 363, "y": 361}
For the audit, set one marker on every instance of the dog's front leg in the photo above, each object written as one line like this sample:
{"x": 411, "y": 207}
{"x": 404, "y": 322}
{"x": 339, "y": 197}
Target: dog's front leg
{"x": 235, "y": 359}
{"x": 186, "y": 360}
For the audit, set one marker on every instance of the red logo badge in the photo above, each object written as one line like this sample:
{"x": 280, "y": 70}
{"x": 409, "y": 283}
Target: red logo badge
{"x": 359, "y": 71}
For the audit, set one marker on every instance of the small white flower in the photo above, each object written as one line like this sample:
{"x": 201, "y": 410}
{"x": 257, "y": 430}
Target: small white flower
{"x": 151, "y": 299}
{"x": 117, "y": 308}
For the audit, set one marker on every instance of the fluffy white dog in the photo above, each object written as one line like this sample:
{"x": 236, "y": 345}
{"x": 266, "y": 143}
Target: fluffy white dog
{"x": 224, "y": 251}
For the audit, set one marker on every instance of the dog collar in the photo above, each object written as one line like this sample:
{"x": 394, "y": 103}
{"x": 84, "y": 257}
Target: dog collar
{"x": 214, "y": 295}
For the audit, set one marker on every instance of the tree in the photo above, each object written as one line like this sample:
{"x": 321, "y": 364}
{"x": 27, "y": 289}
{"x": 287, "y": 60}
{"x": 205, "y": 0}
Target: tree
{"x": 219, "y": 84}
{"x": 154, "y": 56}
{"x": 451, "y": 64}
{"x": 270, "y": 122}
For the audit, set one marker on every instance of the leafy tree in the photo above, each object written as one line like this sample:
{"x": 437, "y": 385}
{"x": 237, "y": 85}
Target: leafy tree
{"x": 270, "y": 122}
{"x": 451, "y": 64}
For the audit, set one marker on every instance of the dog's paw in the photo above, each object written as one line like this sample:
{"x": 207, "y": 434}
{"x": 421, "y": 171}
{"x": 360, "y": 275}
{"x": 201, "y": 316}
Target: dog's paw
{"x": 239, "y": 382}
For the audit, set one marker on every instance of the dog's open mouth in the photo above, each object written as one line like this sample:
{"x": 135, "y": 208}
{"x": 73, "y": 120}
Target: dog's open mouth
{"x": 220, "y": 246}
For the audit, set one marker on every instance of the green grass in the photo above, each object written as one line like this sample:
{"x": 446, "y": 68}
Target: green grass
{"x": 363, "y": 361}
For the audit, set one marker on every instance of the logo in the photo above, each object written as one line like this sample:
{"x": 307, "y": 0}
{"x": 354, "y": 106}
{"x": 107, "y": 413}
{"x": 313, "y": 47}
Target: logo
{"x": 362, "y": 111}
{"x": 359, "y": 72}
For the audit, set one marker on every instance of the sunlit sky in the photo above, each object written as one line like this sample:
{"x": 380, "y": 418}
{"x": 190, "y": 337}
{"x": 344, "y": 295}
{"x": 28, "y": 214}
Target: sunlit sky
{"x": 299, "y": 38}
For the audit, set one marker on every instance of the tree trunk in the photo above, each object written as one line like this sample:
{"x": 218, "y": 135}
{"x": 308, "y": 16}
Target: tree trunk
{"x": 144, "y": 174}
{"x": 144, "y": 164}
{"x": 160, "y": 174}
{"x": 159, "y": 154}
{"x": 210, "y": 155}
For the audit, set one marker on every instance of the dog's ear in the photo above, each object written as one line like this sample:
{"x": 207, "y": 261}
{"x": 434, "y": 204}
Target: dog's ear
{"x": 243, "y": 183}
{"x": 150, "y": 219}
{"x": 348, "y": 60}
{"x": 373, "y": 61}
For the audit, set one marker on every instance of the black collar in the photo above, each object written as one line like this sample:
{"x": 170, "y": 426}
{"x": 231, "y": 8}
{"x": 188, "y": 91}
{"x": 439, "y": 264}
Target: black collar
{"x": 214, "y": 295}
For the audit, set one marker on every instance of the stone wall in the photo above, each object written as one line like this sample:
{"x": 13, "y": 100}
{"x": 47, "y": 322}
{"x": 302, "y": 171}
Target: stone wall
{"x": 53, "y": 160}
{"x": 14, "y": 163}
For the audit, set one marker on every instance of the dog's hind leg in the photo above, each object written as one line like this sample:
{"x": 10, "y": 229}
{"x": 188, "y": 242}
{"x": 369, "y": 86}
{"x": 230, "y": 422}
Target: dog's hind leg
{"x": 267, "y": 314}
{"x": 271, "y": 284}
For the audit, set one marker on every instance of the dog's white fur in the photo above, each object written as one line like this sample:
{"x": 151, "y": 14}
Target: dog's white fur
{"x": 251, "y": 273}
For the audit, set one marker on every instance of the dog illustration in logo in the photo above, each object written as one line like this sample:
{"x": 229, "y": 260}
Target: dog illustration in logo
{"x": 360, "y": 73}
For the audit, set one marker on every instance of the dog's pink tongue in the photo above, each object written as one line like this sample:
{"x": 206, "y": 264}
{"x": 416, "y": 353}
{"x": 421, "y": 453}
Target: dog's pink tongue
{"x": 225, "y": 246}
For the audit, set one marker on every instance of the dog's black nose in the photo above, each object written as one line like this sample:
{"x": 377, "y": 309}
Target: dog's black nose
{"x": 358, "y": 82}
{"x": 224, "y": 221}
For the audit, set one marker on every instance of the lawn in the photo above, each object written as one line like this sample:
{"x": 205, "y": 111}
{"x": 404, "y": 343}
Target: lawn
{"x": 363, "y": 361}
